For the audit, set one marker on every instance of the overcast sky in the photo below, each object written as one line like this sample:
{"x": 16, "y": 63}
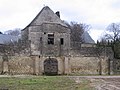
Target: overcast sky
{"x": 97, "y": 13}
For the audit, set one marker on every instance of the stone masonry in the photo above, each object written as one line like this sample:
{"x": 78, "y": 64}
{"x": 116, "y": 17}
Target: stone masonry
{"x": 52, "y": 52}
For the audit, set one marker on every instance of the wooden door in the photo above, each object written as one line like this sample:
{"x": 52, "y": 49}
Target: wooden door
{"x": 51, "y": 66}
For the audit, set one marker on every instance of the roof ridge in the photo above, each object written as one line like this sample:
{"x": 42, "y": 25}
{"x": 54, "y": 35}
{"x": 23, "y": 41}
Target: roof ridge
{"x": 48, "y": 17}
{"x": 45, "y": 7}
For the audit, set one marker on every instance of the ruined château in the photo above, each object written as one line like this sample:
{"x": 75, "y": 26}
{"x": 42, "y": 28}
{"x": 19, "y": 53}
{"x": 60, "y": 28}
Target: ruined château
{"x": 53, "y": 52}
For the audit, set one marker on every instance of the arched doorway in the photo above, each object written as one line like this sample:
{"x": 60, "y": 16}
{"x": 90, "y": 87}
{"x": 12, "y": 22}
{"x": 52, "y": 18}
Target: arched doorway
{"x": 50, "y": 66}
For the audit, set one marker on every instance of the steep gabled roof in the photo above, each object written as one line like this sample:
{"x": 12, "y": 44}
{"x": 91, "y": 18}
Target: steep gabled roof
{"x": 87, "y": 38}
{"x": 46, "y": 15}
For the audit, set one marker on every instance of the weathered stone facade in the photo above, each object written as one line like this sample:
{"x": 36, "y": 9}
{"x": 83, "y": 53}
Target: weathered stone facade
{"x": 50, "y": 39}
{"x": 52, "y": 52}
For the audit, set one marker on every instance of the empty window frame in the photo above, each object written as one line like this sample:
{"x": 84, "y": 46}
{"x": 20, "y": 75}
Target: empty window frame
{"x": 51, "y": 38}
{"x": 61, "y": 41}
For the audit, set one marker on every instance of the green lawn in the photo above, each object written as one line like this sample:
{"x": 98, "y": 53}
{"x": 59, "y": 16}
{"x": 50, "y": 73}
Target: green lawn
{"x": 42, "y": 83}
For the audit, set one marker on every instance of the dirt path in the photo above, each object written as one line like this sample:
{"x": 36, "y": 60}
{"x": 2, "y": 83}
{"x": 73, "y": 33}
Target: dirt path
{"x": 101, "y": 82}
{"x": 106, "y": 83}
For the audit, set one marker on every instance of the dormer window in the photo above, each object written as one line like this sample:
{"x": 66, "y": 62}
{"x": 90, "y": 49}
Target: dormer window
{"x": 50, "y": 38}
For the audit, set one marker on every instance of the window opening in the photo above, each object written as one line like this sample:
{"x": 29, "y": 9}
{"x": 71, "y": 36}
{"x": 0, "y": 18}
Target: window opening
{"x": 61, "y": 41}
{"x": 44, "y": 32}
{"x": 51, "y": 38}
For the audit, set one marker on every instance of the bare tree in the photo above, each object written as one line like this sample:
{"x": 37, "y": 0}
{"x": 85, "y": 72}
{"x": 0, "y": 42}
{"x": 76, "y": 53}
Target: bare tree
{"x": 77, "y": 29}
{"x": 113, "y": 32}
{"x": 76, "y": 32}
{"x": 15, "y": 32}
{"x": 112, "y": 38}
{"x": 20, "y": 46}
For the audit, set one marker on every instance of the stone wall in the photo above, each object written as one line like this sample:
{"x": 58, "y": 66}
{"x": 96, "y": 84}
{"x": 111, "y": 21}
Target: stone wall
{"x": 19, "y": 65}
{"x": 88, "y": 65}
{"x": 0, "y": 64}
{"x": 30, "y": 65}
{"x": 66, "y": 65}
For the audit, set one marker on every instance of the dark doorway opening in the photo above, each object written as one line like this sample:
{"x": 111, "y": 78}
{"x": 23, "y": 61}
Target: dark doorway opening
{"x": 50, "y": 66}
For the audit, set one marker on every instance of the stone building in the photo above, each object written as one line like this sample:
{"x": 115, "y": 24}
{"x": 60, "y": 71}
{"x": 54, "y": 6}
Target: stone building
{"x": 48, "y": 34}
{"x": 52, "y": 52}
{"x": 50, "y": 41}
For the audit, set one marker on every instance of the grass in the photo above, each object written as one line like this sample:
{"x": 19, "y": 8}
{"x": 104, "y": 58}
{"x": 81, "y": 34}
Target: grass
{"x": 42, "y": 83}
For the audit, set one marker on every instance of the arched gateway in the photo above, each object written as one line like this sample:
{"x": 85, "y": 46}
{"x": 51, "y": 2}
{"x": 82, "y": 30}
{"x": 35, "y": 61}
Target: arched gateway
{"x": 51, "y": 66}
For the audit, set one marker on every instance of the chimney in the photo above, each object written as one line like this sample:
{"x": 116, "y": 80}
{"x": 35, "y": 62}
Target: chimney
{"x": 58, "y": 14}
